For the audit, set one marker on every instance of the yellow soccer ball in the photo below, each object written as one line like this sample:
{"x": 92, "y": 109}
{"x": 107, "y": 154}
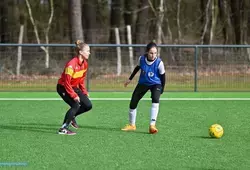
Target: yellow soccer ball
{"x": 216, "y": 131}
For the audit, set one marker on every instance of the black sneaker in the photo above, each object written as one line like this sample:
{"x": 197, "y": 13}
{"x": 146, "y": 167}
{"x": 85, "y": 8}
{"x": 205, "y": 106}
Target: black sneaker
{"x": 65, "y": 131}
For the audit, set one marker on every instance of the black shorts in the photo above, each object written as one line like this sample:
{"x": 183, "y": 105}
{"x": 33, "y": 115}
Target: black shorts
{"x": 141, "y": 90}
{"x": 84, "y": 100}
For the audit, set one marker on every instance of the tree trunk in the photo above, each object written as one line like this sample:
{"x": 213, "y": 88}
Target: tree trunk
{"x": 61, "y": 8}
{"x": 179, "y": 28}
{"x": 75, "y": 20}
{"x": 246, "y": 6}
{"x": 45, "y": 49}
{"x": 89, "y": 20}
{"x": 169, "y": 40}
{"x": 118, "y": 52}
{"x": 128, "y": 15}
{"x": 236, "y": 18}
{"x": 205, "y": 28}
{"x": 159, "y": 24}
{"x": 115, "y": 18}
{"x": 225, "y": 13}
{"x": 4, "y": 21}
{"x": 213, "y": 25}
{"x": 19, "y": 50}
{"x": 141, "y": 32}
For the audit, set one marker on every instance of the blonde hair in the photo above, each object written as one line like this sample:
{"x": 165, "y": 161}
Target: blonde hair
{"x": 79, "y": 46}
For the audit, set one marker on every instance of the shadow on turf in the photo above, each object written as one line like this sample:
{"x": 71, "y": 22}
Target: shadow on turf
{"x": 195, "y": 168}
{"x": 203, "y": 137}
{"x": 50, "y": 128}
{"x": 41, "y": 124}
{"x": 29, "y": 128}
{"x": 91, "y": 127}
{"x": 104, "y": 128}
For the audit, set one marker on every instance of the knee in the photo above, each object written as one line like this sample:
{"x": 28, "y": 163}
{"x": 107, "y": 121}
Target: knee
{"x": 155, "y": 100}
{"x": 88, "y": 107}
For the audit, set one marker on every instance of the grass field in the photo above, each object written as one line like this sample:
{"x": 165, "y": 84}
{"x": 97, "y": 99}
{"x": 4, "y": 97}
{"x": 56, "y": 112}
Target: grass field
{"x": 175, "y": 82}
{"x": 29, "y": 122}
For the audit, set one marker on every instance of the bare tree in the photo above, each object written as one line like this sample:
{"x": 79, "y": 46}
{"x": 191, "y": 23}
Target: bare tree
{"x": 245, "y": 18}
{"x": 179, "y": 26}
{"x": 228, "y": 28}
{"x": 20, "y": 41}
{"x": 75, "y": 20}
{"x": 141, "y": 31}
{"x": 3, "y": 21}
{"x": 205, "y": 28}
{"x": 129, "y": 12}
{"x": 115, "y": 18}
{"x": 46, "y": 32}
{"x": 159, "y": 24}
{"x": 60, "y": 18}
{"x": 236, "y": 19}
{"x": 89, "y": 20}
{"x": 169, "y": 32}
{"x": 215, "y": 12}
{"x": 178, "y": 21}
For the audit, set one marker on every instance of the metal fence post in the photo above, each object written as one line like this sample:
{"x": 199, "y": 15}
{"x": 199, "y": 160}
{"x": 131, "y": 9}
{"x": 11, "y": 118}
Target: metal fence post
{"x": 196, "y": 68}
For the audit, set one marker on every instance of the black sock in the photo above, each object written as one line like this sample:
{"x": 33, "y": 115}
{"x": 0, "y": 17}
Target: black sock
{"x": 69, "y": 116}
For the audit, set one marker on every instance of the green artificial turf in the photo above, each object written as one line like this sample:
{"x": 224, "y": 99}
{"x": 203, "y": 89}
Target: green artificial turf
{"x": 28, "y": 133}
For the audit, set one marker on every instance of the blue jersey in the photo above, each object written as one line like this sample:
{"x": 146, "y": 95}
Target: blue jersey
{"x": 149, "y": 73}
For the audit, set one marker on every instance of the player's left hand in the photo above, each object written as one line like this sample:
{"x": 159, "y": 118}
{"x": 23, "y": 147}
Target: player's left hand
{"x": 126, "y": 83}
{"x": 162, "y": 90}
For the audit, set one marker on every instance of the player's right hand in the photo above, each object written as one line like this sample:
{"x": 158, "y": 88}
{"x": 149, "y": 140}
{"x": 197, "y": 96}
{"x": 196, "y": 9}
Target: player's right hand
{"x": 77, "y": 99}
{"x": 126, "y": 83}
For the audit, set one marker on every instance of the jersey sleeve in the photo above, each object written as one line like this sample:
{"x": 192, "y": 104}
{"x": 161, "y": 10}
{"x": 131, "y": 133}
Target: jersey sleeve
{"x": 68, "y": 72}
{"x": 139, "y": 61}
{"x": 161, "y": 68}
{"x": 82, "y": 85}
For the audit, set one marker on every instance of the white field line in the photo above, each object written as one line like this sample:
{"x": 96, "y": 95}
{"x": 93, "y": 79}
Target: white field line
{"x": 120, "y": 99}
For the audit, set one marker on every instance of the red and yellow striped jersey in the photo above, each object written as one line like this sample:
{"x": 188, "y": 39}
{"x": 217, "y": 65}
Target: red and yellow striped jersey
{"x": 74, "y": 76}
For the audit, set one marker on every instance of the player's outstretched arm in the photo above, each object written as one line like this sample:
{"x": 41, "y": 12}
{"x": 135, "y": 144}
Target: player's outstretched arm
{"x": 137, "y": 68}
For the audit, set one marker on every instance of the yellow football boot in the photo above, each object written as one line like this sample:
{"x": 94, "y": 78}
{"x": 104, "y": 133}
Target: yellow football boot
{"x": 129, "y": 127}
{"x": 153, "y": 129}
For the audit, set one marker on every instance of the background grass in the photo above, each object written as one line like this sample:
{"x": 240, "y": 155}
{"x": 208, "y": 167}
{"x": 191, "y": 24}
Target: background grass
{"x": 175, "y": 82}
{"x": 28, "y": 134}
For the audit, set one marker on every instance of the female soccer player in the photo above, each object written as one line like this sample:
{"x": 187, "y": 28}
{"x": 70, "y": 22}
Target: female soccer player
{"x": 152, "y": 78}
{"x": 71, "y": 87}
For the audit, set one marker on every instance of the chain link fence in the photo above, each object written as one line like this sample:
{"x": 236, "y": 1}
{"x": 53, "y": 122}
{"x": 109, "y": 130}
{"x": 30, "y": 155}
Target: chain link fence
{"x": 188, "y": 67}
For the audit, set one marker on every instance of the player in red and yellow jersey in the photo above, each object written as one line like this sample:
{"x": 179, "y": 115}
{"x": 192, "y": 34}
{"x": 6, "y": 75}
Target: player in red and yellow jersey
{"x": 72, "y": 89}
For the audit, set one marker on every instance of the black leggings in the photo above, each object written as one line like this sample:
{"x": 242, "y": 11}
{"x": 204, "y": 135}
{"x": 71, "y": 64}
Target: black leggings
{"x": 141, "y": 90}
{"x": 76, "y": 108}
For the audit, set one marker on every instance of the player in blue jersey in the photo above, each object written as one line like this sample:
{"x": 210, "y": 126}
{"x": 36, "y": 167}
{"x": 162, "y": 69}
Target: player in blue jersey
{"x": 152, "y": 77}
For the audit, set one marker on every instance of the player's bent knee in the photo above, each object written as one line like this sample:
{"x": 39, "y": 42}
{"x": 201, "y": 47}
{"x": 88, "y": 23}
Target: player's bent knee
{"x": 88, "y": 107}
{"x": 155, "y": 100}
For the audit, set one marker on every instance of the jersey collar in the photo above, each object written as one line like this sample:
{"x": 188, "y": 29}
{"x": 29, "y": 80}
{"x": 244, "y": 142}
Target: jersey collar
{"x": 78, "y": 61}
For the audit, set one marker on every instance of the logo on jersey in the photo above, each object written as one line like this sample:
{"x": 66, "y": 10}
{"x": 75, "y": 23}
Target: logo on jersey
{"x": 150, "y": 74}
{"x": 143, "y": 72}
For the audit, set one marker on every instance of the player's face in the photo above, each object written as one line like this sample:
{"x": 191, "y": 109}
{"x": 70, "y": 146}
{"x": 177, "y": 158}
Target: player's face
{"x": 85, "y": 52}
{"x": 152, "y": 53}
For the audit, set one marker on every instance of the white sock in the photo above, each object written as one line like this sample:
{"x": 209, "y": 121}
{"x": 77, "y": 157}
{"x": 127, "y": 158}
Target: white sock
{"x": 132, "y": 116}
{"x": 154, "y": 113}
{"x": 64, "y": 125}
